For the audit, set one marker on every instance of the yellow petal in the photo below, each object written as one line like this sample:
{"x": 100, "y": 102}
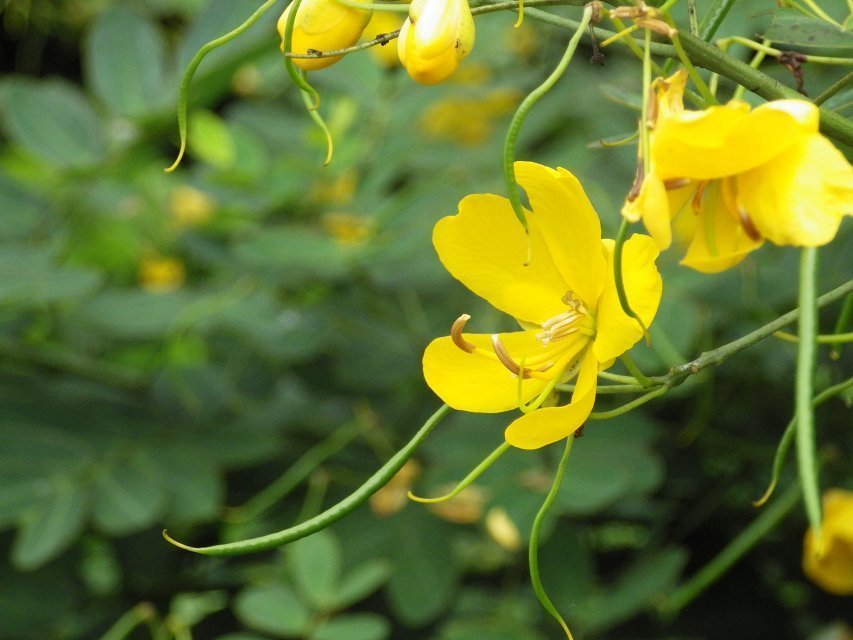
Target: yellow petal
{"x": 436, "y": 27}
{"x": 544, "y": 426}
{"x": 652, "y": 204}
{"x": 719, "y": 241}
{"x": 474, "y": 382}
{"x": 485, "y": 248}
{"x": 799, "y": 197}
{"x": 829, "y": 563}
{"x": 726, "y": 140}
{"x": 569, "y": 224}
{"x": 615, "y": 331}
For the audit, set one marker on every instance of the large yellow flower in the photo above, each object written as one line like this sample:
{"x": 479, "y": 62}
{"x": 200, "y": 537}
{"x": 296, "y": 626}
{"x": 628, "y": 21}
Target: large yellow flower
{"x": 831, "y": 565}
{"x": 742, "y": 175}
{"x": 564, "y": 298}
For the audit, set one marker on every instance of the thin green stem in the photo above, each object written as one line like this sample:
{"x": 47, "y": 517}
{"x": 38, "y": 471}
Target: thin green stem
{"x": 833, "y": 89}
{"x": 533, "y": 549}
{"x": 475, "y": 473}
{"x": 311, "y": 105}
{"x": 841, "y": 324}
{"x": 697, "y": 80}
{"x": 295, "y": 474}
{"x": 736, "y": 549}
{"x": 141, "y": 613}
{"x": 615, "y": 377}
{"x": 806, "y": 362}
{"x": 186, "y": 81}
{"x": 691, "y": 17}
{"x": 634, "y": 370}
{"x": 629, "y": 406}
{"x": 788, "y": 438}
{"x": 763, "y": 47}
{"x": 532, "y": 98}
{"x": 714, "y": 18}
{"x": 832, "y": 338}
{"x": 607, "y": 389}
{"x": 330, "y": 515}
{"x": 617, "y": 267}
{"x": 756, "y": 61}
{"x": 678, "y": 374}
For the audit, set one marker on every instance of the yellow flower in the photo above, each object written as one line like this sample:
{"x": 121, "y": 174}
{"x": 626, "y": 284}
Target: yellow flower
{"x": 564, "y": 298}
{"x": 435, "y": 38}
{"x": 468, "y": 121}
{"x": 161, "y": 274}
{"x": 743, "y": 174}
{"x": 323, "y": 25}
{"x": 190, "y": 207}
{"x": 830, "y": 565}
{"x": 384, "y": 22}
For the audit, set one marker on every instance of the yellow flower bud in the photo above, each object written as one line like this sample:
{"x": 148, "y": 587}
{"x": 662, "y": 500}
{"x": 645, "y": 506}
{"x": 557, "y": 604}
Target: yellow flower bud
{"x": 323, "y": 25}
{"x": 435, "y": 38}
{"x": 161, "y": 274}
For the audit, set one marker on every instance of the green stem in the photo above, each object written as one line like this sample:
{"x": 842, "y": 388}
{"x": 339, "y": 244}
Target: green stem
{"x": 617, "y": 267}
{"x": 186, "y": 81}
{"x": 533, "y": 549}
{"x": 330, "y": 515}
{"x": 607, "y": 389}
{"x": 523, "y": 109}
{"x": 832, "y": 338}
{"x": 806, "y": 362}
{"x": 629, "y": 406}
{"x": 703, "y": 89}
{"x": 788, "y": 439}
{"x": 736, "y": 549}
{"x": 634, "y": 370}
{"x": 467, "y": 480}
{"x": 678, "y": 374}
{"x": 143, "y": 612}
{"x": 833, "y": 89}
{"x": 295, "y": 474}
{"x": 841, "y": 324}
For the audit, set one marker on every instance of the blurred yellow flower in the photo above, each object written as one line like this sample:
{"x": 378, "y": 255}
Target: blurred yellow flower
{"x": 464, "y": 508}
{"x": 348, "y": 229}
{"x": 564, "y": 297}
{"x": 394, "y": 495}
{"x": 383, "y": 22}
{"x": 435, "y": 38}
{"x": 190, "y": 207}
{"x": 335, "y": 189}
{"x": 323, "y": 25}
{"x": 503, "y": 530}
{"x": 829, "y": 564}
{"x": 468, "y": 121}
{"x": 159, "y": 274}
{"x": 746, "y": 174}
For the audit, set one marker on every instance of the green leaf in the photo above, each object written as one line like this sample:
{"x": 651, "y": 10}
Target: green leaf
{"x": 51, "y": 527}
{"x": 22, "y": 211}
{"x": 357, "y": 626}
{"x": 195, "y": 486}
{"x": 30, "y": 276}
{"x": 424, "y": 578}
{"x": 125, "y": 65}
{"x": 129, "y": 496}
{"x": 210, "y": 140}
{"x": 131, "y": 314}
{"x": 361, "y": 582}
{"x": 192, "y": 608}
{"x": 273, "y": 609}
{"x": 315, "y": 564}
{"x": 53, "y": 120}
{"x": 637, "y": 588}
{"x": 790, "y": 27}
{"x": 293, "y": 255}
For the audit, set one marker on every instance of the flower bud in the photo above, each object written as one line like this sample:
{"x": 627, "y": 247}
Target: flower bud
{"x": 323, "y": 25}
{"x": 435, "y": 38}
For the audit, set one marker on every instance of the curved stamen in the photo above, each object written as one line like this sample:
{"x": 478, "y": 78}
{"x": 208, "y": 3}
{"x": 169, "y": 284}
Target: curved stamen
{"x": 505, "y": 359}
{"x": 676, "y": 183}
{"x": 747, "y": 224}
{"x": 456, "y": 334}
{"x": 697, "y": 197}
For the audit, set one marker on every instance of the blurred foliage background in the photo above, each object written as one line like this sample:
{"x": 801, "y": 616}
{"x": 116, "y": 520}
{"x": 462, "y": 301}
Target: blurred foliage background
{"x": 227, "y": 349}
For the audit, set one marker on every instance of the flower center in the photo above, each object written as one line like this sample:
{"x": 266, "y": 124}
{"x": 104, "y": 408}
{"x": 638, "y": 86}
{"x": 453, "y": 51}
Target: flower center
{"x": 575, "y": 318}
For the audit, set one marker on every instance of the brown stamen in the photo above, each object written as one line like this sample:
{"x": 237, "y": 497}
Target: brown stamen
{"x": 634, "y": 193}
{"x": 505, "y": 358}
{"x": 748, "y": 225}
{"x": 456, "y": 334}
{"x": 676, "y": 183}
{"x": 697, "y": 198}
